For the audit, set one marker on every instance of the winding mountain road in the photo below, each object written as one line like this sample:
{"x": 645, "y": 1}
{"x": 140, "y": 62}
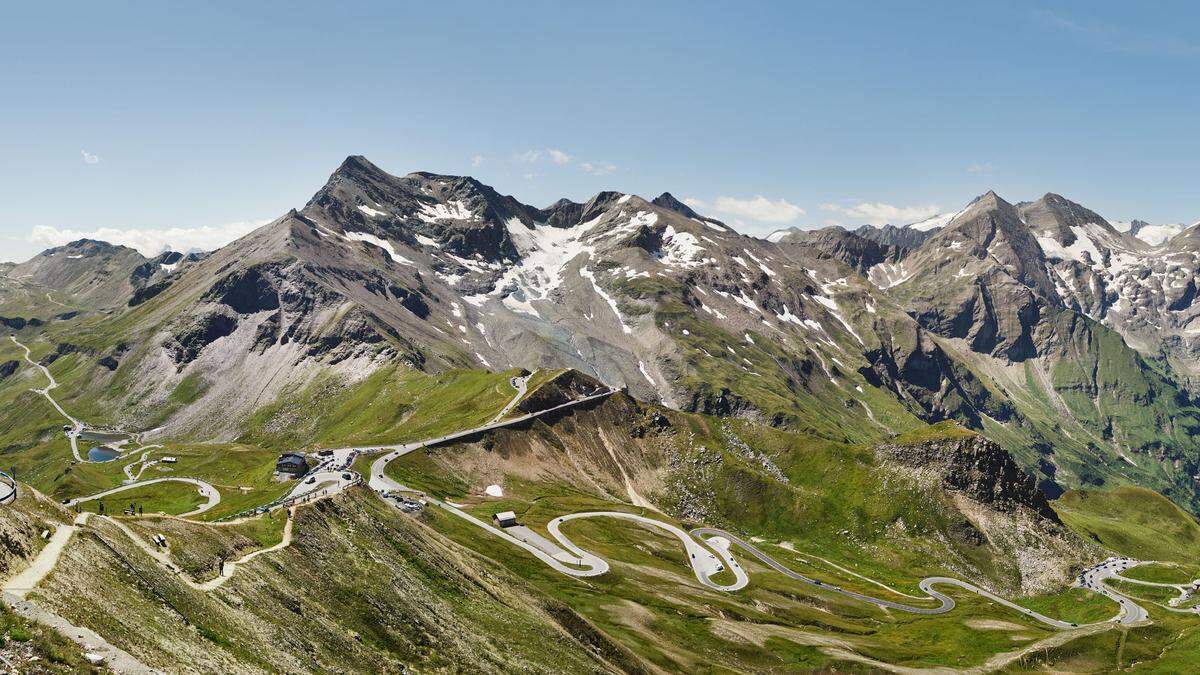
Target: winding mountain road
{"x": 946, "y": 603}
{"x": 519, "y": 383}
{"x": 1093, "y": 578}
{"x": 144, "y": 461}
{"x": 77, "y": 426}
{"x": 380, "y": 482}
{"x": 708, "y": 549}
{"x": 566, "y": 557}
{"x": 702, "y": 561}
{"x": 206, "y": 490}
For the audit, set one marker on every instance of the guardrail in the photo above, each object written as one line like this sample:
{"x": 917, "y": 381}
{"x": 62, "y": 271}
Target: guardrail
{"x": 8, "y": 488}
{"x": 372, "y": 449}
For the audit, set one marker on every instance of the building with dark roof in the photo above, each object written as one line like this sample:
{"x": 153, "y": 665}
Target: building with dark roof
{"x": 292, "y": 463}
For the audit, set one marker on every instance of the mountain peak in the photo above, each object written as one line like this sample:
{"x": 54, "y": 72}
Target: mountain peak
{"x": 357, "y": 164}
{"x": 668, "y": 201}
{"x": 1056, "y": 216}
{"x": 86, "y": 247}
{"x": 989, "y": 199}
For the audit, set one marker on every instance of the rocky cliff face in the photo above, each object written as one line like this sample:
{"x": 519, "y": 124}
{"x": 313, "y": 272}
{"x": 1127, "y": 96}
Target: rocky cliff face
{"x": 1006, "y": 516}
{"x": 890, "y": 235}
{"x": 976, "y": 467}
{"x": 911, "y": 363}
{"x": 858, "y": 252}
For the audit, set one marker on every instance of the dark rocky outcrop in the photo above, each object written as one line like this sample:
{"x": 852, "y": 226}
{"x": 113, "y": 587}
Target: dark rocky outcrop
{"x": 720, "y": 402}
{"x": 976, "y": 467}
{"x": 358, "y": 330}
{"x": 267, "y": 333}
{"x": 60, "y": 350}
{"x": 411, "y": 300}
{"x": 835, "y": 243}
{"x": 562, "y": 213}
{"x": 8, "y": 368}
{"x": 144, "y": 293}
{"x": 914, "y": 366}
{"x": 996, "y": 316}
{"x": 648, "y": 239}
{"x": 247, "y": 291}
{"x": 18, "y": 323}
{"x": 185, "y": 345}
{"x": 568, "y": 385}
{"x": 890, "y": 235}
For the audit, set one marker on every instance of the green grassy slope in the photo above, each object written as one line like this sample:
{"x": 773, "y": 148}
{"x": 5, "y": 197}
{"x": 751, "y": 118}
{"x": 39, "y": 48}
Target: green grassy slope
{"x": 395, "y": 404}
{"x": 836, "y": 513}
{"x": 361, "y": 589}
{"x": 1133, "y": 521}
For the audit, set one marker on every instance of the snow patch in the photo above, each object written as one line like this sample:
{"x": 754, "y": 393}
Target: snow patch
{"x": 1157, "y": 235}
{"x": 646, "y": 374}
{"x": 381, "y": 243}
{"x": 455, "y": 210}
{"x": 933, "y": 223}
{"x": 587, "y": 274}
{"x": 682, "y": 249}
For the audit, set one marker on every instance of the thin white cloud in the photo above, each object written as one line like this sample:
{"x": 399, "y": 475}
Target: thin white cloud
{"x": 980, "y": 168}
{"x": 476, "y": 160}
{"x": 563, "y": 158}
{"x": 878, "y": 213}
{"x": 1116, "y": 39}
{"x": 150, "y": 241}
{"x": 89, "y": 158}
{"x": 598, "y": 168}
{"x": 528, "y": 157}
{"x": 757, "y": 208}
{"x": 554, "y": 155}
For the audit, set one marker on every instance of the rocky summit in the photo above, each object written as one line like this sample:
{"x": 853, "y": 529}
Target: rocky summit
{"x": 368, "y": 426}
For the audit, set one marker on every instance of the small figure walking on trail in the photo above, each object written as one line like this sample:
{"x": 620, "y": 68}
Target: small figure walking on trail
{"x": 101, "y": 508}
{"x": 139, "y": 509}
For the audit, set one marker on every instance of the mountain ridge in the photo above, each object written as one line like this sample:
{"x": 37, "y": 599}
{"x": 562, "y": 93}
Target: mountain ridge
{"x": 441, "y": 272}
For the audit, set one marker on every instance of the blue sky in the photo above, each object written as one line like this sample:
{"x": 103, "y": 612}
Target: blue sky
{"x": 189, "y": 122}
